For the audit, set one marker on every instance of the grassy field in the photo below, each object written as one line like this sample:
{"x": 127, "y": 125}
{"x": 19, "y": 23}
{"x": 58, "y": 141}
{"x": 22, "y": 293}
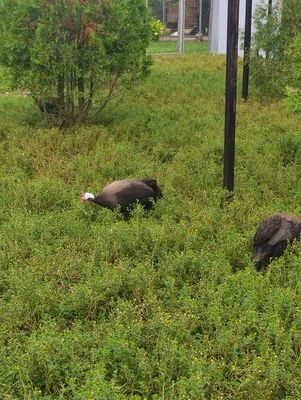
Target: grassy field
{"x": 171, "y": 46}
{"x": 166, "y": 304}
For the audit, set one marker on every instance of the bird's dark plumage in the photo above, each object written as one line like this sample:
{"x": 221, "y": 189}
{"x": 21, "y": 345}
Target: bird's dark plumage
{"x": 125, "y": 193}
{"x": 48, "y": 107}
{"x": 273, "y": 235}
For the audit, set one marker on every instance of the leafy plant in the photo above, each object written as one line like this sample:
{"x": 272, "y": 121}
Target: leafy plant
{"x": 157, "y": 28}
{"x": 292, "y": 99}
{"x": 276, "y": 29}
{"x": 75, "y": 54}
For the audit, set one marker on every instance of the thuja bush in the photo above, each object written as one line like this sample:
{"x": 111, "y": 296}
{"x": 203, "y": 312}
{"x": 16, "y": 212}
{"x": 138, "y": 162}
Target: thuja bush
{"x": 275, "y": 45}
{"x": 75, "y": 54}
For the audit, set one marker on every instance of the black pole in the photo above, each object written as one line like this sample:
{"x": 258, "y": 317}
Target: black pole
{"x": 231, "y": 84}
{"x": 247, "y": 42}
{"x": 270, "y": 7}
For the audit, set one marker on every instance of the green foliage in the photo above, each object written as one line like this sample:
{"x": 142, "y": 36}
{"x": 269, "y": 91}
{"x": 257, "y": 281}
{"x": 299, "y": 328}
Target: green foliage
{"x": 157, "y": 28}
{"x": 271, "y": 66}
{"x": 292, "y": 93}
{"x": 4, "y": 79}
{"x": 165, "y": 304}
{"x": 74, "y": 53}
{"x": 292, "y": 99}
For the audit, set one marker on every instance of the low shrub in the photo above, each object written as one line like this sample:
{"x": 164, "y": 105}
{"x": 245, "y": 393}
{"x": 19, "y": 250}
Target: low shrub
{"x": 157, "y": 28}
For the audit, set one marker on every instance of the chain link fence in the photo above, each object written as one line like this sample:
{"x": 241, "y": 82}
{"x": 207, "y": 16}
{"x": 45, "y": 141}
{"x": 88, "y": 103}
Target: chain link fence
{"x": 197, "y": 18}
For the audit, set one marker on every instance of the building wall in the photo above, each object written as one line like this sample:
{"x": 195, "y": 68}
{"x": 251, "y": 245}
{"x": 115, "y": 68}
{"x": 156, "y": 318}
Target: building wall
{"x": 218, "y": 31}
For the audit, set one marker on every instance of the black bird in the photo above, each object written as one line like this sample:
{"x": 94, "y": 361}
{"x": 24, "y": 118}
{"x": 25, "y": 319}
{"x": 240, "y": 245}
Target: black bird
{"x": 48, "y": 107}
{"x": 125, "y": 193}
{"x": 272, "y": 237}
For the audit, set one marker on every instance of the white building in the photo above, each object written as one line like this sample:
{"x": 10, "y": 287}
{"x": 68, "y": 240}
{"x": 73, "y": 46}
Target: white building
{"x": 218, "y": 31}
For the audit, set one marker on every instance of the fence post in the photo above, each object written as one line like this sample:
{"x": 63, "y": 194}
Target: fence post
{"x": 230, "y": 101}
{"x": 247, "y": 41}
{"x": 270, "y": 6}
{"x": 181, "y": 26}
{"x": 200, "y": 19}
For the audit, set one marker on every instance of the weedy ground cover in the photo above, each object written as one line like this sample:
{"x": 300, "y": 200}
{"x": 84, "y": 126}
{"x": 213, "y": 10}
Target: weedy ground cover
{"x": 166, "y": 304}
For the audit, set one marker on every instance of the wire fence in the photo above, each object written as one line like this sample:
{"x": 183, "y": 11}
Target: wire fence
{"x": 197, "y": 18}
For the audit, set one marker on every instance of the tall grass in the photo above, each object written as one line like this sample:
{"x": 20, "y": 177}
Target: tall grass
{"x": 165, "y": 304}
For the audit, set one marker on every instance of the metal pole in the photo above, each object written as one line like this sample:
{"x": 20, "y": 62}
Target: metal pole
{"x": 247, "y": 41}
{"x": 164, "y": 14}
{"x": 270, "y": 4}
{"x": 181, "y": 25}
{"x": 200, "y": 19}
{"x": 210, "y": 25}
{"x": 270, "y": 7}
{"x": 230, "y": 101}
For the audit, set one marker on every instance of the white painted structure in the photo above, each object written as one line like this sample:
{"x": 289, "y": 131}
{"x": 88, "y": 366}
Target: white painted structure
{"x": 218, "y": 25}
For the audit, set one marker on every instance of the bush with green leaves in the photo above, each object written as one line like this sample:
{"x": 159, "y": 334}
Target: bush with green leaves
{"x": 157, "y": 28}
{"x": 272, "y": 42}
{"x": 75, "y": 54}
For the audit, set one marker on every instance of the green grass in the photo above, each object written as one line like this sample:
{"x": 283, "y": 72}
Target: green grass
{"x": 171, "y": 46}
{"x": 166, "y": 304}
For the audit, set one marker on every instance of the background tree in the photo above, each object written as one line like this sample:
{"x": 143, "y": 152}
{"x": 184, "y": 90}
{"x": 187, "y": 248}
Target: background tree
{"x": 75, "y": 52}
{"x": 270, "y": 61}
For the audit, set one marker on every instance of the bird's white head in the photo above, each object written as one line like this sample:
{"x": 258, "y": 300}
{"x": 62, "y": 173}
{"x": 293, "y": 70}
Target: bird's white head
{"x": 87, "y": 196}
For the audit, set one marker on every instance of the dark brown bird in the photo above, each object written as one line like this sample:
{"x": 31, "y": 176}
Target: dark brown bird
{"x": 49, "y": 107}
{"x": 126, "y": 193}
{"x": 273, "y": 235}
